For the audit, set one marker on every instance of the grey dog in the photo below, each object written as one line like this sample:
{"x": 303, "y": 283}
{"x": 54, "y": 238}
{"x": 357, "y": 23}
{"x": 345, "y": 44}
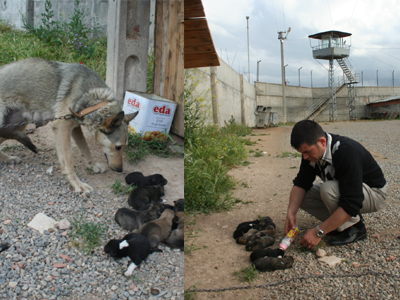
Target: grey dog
{"x": 34, "y": 90}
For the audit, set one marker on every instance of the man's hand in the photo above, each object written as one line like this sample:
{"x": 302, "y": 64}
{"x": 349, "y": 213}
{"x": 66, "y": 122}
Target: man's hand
{"x": 290, "y": 223}
{"x": 310, "y": 239}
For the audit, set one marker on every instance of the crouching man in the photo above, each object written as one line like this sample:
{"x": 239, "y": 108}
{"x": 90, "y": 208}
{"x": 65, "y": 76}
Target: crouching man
{"x": 353, "y": 184}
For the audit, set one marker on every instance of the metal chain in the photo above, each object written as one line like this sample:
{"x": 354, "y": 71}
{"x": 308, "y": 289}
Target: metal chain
{"x": 291, "y": 280}
{"x": 66, "y": 117}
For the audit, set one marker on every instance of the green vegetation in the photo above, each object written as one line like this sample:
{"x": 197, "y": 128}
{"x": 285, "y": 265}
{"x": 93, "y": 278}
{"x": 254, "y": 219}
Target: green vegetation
{"x": 209, "y": 154}
{"x": 55, "y": 41}
{"x": 189, "y": 294}
{"x": 289, "y": 154}
{"x": 247, "y": 274}
{"x": 120, "y": 188}
{"x": 86, "y": 235}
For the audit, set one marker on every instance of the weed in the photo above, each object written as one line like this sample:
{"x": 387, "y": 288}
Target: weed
{"x": 189, "y": 294}
{"x": 119, "y": 188}
{"x": 247, "y": 274}
{"x": 244, "y": 202}
{"x": 86, "y": 235}
{"x": 138, "y": 148}
{"x": 246, "y": 163}
{"x": 294, "y": 167}
{"x": 9, "y": 148}
{"x": 191, "y": 248}
{"x": 258, "y": 154}
{"x": 289, "y": 154}
{"x": 245, "y": 184}
{"x": 150, "y": 71}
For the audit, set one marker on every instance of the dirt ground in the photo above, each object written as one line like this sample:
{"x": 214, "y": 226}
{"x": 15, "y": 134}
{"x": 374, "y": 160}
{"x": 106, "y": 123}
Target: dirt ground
{"x": 266, "y": 183}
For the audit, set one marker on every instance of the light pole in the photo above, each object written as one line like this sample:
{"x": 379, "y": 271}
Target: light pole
{"x": 377, "y": 78}
{"x": 258, "y": 69}
{"x": 299, "y": 75}
{"x": 281, "y": 38}
{"x": 248, "y": 45}
{"x": 311, "y": 78}
{"x": 393, "y": 77}
{"x": 284, "y": 73}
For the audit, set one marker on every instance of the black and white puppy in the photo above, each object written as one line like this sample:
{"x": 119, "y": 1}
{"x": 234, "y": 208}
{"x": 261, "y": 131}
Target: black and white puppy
{"x": 138, "y": 179}
{"x": 134, "y": 245}
{"x": 143, "y": 196}
{"x": 130, "y": 219}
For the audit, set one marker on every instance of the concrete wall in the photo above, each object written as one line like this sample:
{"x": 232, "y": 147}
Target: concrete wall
{"x": 238, "y": 98}
{"x": 12, "y": 10}
{"x": 235, "y": 97}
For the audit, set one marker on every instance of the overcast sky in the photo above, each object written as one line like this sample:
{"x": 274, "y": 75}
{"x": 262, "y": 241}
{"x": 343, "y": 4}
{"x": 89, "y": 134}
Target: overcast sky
{"x": 375, "y": 40}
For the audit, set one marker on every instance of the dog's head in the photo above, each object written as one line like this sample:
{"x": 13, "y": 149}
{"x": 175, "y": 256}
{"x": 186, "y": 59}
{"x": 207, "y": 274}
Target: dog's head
{"x": 112, "y": 134}
{"x": 158, "y": 179}
{"x": 112, "y": 248}
{"x": 179, "y": 205}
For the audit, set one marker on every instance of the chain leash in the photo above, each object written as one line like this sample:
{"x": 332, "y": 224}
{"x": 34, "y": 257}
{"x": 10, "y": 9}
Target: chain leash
{"x": 66, "y": 117}
{"x": 292, "y": 280}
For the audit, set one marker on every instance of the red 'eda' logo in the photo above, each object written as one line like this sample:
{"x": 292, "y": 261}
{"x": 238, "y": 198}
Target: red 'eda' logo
{"x": 162, "y": 110}
{"x": 133, "y": 103}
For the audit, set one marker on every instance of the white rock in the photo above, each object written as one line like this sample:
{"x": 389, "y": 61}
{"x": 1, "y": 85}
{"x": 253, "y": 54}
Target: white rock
{"x": 320, "y": 252}
{"x": 49, "y": 171}
{"x": 330, "y": 260}
{"x": 41, "y": 222}
{"x": 12, "y": 284}
{"x": 63, "y": 224}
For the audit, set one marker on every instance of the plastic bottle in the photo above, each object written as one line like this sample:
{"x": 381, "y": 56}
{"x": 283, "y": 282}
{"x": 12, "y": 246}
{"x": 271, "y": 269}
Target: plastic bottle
{"x": 289, "y": 238}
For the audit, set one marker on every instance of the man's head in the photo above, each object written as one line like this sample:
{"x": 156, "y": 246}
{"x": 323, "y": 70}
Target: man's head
{"x": 309, "y": 139}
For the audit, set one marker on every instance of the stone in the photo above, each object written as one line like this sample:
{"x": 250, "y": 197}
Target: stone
{"x": 59, "y": 265}
{"x": 7, "y": 222}
{"x": 332, "y": 261}
{"x": 12, "y": 284}
{"x": 41, "y": 222}
{"x": 66, "y": 257}
{"x": 63, "y": 224}
{"x": 320, "y": 252}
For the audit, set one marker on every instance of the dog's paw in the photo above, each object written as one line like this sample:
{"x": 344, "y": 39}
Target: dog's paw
{"x": 9, "y": 159}
{"x": 98, "y": 168}
{"x": 128, "y": 273}
{"x": 81, "y": 187}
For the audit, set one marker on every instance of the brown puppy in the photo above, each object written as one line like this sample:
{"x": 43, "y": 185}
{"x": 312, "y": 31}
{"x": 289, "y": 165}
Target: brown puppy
{"x": 176, "y": 240}
{"x": 158, "y": 230}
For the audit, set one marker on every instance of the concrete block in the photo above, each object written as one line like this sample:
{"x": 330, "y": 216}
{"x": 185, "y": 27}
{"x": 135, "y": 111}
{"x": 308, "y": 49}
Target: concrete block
{"x": 41, "y": 222}
{"x": 127, "y": 45}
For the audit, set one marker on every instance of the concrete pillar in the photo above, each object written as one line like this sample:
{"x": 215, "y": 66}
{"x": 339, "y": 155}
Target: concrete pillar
{"x": 214, "y": 95}
{"x": 242, "y": 98}
{"x": 127, "y": 45}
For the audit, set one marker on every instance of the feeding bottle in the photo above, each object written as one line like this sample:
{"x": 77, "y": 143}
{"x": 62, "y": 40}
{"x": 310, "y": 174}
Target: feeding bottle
{"x": 289, "y": 238}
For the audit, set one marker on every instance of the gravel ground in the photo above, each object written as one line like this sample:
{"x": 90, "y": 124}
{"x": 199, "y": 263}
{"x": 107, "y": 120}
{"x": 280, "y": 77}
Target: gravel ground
{"x": 26, "y": 268}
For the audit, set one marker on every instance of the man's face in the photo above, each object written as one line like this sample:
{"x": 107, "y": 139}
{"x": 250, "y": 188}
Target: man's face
{"x": 313, "y": 152}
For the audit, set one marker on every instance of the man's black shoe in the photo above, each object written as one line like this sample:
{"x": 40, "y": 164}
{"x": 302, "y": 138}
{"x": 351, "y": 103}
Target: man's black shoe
{"x": 333, "y": 233}
{"x": 350, "y": 235}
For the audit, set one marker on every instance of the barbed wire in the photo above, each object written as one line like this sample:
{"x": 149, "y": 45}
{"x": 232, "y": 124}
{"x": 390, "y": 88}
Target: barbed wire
{"x": 294, "y": 279}
{"x": 41, "y": 122}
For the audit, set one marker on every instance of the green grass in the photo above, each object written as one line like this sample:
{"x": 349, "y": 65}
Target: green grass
{"x": 191, "y": 248}
{"x": 137, "y": 148}
{"x": 209, "y": 154}
{"x": 247, "y": 274}
{"x": 86, "y": 235}
{"x": 120, "y": 188}
{"x": 188, "y": 294}
{"x": 289, "y": 154}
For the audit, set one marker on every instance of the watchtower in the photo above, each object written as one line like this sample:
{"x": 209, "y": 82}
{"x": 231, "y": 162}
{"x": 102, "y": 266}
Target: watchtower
{"x": 331, "y": 46}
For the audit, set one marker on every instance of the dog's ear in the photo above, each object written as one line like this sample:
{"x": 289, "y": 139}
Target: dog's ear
{"x": 113, "y": 122}
{"x": 130, "y": 117}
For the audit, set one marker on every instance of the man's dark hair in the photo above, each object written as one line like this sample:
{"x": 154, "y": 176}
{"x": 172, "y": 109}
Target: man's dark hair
{"x": 306, "y": 131}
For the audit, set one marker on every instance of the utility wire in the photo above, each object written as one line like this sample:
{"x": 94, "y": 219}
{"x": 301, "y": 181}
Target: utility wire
{"x": 330, "y": 13}
{"x": 283, "y": 11}
{"x": 276, "y": 22}
{"x": 351, "y": 15}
